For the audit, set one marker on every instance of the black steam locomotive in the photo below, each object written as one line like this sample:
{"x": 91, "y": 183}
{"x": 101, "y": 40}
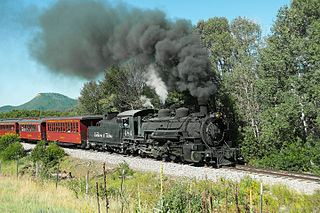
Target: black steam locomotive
{"x": 181, "y": 136}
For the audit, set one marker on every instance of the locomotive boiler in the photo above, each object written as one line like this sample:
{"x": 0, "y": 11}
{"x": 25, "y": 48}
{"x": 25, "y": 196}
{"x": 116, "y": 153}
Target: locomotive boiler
{"x": 199, "y": 137}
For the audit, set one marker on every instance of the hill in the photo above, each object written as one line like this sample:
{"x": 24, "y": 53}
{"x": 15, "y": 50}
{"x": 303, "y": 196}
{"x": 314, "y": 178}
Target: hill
{"x": 45, "y": 102}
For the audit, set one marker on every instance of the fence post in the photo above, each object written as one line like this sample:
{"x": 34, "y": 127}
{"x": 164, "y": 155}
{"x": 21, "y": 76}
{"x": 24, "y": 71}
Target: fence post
{"x": 0, "y": 167}
{"x": 105, "y": 187}
{"x": 87, "y": 183}
{"x": 139, "y": 199}
{"x": 261, "y": 197}
{"x": 161, "y": 182}
{"x": 226, "y": 199}
{"x": 210, "y": 198}
{"x": 250, "y": 201}
{"x": 97, "y": 190}
{"x": 161, "y": 188}
{"x": 204, "y": 200}
{"x": 188, "y": 203}
{"x": 236, "y": 197}
{"x": 57, "y": 174}
{"x": 37, "y": 169}
{"x": 18, "y": 167}
{"x": 121, "y": 191}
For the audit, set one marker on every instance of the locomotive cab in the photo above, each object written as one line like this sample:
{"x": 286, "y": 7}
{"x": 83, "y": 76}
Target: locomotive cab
{"x": 131, "y": 121}
{"x": 127, "y": 127}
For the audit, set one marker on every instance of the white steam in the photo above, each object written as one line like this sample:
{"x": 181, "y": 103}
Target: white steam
{"x": 146, "y": 102}
{"x": 154, "y": 81}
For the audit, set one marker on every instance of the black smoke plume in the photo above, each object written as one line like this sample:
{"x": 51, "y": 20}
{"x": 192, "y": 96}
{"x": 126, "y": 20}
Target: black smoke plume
{"x": 83, "y": 38}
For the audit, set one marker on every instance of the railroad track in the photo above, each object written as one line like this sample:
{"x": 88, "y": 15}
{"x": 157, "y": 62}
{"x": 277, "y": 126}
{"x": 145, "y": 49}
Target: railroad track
{"x": 305, "y": 184}
{"x": 276, "y": 173}
{"x": 265, "y": 172}
{"x": 241, "y": 168}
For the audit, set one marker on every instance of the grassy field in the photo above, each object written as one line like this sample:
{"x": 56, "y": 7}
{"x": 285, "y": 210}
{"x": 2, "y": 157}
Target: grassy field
{"x": 26, "y": 195}
{"x": 141, "y": 192}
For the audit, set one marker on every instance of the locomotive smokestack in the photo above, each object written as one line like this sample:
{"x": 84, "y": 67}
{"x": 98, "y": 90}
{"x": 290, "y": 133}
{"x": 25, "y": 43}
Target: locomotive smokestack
{"x": 203, "y": 107}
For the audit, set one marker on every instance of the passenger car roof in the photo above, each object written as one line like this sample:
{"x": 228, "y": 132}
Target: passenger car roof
{"x": 9, "y": 121}
{"x": 32, "y": 121}
{"x": 85, "y": 117}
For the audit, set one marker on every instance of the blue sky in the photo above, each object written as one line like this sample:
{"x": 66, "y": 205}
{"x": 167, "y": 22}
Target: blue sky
{"x": 22, "y": 77}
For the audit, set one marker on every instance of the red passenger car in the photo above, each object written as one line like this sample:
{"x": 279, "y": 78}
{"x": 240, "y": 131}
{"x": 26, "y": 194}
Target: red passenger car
{"x": 70, "y": 129}
{"x": 32, "y": 129}
{"x": 8, "y": 126}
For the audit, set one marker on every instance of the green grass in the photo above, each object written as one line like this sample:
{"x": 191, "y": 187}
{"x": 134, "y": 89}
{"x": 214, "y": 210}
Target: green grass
{"x": 26, "y": 195}
{"x": 141, "y": 192}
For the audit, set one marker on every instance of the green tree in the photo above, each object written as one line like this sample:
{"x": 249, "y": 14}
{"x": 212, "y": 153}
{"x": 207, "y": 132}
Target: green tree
{"x": 123, "y": 87}
{"x": 90, "y": 97}
{"x": 233, "y": 49}
{"x": 289, "y": 77}
{"x": 217, "y": 38}
{"x": 52, "y": 155}
{"x": 49, "y": 155}
{"x": 289, "y": 70}
{"x": 8, "y": 139}
{"x": 241, "y": 82}
{"x": 33, "y": 113}
{"x": 39, "y": 152}
{"x": 13, "y": 152}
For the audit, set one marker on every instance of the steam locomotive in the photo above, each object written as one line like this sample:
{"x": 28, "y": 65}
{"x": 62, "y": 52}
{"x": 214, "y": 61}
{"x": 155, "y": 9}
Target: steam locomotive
{"x": 182, "y": 136}
{"x": 200, "y": 137}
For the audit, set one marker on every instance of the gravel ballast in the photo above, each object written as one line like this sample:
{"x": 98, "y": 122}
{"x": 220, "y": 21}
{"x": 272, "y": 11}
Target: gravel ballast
{"x": 151, "y": 165}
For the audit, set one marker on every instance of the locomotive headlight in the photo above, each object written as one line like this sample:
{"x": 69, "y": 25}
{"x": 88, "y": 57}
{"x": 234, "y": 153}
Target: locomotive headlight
{"x": 219, "y": 115}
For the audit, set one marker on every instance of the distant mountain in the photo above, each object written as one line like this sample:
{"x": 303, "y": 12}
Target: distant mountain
{"x": 6, "y": 108}
{"x": 44, "y": 102}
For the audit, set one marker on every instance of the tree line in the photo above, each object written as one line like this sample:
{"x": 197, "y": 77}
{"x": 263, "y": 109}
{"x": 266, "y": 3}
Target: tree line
{"x": 269, "y": 86}
{"x": 35, "y": 114}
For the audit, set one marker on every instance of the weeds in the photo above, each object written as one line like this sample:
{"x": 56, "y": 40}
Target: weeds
{"x": 141, "y": 191}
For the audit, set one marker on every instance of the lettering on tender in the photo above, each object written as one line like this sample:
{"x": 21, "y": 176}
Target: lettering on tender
{"x": 102, "y": 135}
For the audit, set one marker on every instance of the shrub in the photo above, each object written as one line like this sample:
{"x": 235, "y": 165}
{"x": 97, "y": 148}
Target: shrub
{"x": 39, "y": 152}
{"x": 52, "y": 155}
{"x": 176, "y": 200}
{"x": 314, "y": 146}
{"x": 295, "y": 156}
{"x": 48, "y": 155}
{"x": 13, "y": 152}
{"x": 8, "y": 139}
{"x": 123, "y": 167}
